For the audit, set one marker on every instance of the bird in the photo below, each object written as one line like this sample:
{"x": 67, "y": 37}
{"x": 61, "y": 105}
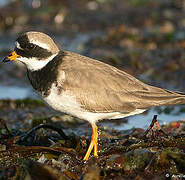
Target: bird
{"x": 84, "y": 87}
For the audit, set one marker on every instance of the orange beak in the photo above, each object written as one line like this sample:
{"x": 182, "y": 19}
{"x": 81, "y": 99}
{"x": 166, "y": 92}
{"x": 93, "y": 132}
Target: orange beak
{"x": 11, "y": 57}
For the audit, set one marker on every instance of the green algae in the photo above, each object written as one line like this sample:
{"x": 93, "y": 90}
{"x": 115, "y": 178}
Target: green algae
{"x": 21, "y": 103}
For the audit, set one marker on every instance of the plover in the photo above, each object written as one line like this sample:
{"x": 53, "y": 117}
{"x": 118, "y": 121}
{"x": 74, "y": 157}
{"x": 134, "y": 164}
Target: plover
{"x": 84, "y": 87}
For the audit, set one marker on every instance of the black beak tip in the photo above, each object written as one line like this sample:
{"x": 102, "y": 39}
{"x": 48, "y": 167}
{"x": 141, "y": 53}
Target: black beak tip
{"x": 6, "y": 59}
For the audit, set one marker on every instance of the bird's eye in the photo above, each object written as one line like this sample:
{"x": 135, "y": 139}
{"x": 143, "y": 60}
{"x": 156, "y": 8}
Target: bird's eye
{"x": 30, "y": 46}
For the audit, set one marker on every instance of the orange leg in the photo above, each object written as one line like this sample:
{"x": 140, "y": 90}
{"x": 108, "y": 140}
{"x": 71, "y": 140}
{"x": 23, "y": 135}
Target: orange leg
{"x": 157, "y": 124}
{"x": 94, "y": 143}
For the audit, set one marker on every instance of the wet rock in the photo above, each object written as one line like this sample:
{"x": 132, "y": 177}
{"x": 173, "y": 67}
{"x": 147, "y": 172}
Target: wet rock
{"x": 93, "y": 173}
{"x": 115, "y": 162}
{"x": 39, "y": 171}
{"x": 137, "y": 160}
{"x": 171, "y": 160}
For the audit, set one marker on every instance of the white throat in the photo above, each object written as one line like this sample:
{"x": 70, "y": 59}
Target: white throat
{"x": 33, "y": 64}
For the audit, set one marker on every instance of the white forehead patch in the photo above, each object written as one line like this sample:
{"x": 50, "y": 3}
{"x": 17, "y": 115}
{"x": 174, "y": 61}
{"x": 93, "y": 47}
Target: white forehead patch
{"x": 18, "y": 45}
{"x": 40, "y": 44}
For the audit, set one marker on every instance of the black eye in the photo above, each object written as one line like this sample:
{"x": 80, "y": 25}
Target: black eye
{"x": 30, "y": 46}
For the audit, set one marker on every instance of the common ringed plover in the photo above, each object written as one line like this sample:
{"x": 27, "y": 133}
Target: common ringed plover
{"x": 84, "y": 87}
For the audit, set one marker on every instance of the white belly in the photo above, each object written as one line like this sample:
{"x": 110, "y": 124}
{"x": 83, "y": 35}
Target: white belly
{"x": 63, "y": 102}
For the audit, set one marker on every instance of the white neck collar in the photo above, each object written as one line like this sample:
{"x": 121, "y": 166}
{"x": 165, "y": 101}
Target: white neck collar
{"x": 34, "y": 64}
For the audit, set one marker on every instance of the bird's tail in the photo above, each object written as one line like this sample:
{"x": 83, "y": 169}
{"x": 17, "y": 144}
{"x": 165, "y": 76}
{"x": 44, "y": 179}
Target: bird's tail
{"x": 159, "y": 97}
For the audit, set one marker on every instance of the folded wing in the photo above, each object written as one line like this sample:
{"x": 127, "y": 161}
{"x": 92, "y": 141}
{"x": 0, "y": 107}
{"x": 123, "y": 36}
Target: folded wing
{"x": 99, "y": 87}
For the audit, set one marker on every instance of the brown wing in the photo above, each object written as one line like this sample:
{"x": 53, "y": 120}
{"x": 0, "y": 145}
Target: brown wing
{"x": 103, "y": 88}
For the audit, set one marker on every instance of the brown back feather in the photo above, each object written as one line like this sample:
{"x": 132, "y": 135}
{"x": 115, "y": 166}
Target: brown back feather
{"x": 103, "y": 88}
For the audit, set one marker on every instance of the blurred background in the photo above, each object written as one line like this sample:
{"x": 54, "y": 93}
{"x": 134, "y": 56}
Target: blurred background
{"x": 145, "y": 38}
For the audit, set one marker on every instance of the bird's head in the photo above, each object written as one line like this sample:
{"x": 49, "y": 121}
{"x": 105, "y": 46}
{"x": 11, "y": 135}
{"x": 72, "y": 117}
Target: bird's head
{"x": 34, "y": 49}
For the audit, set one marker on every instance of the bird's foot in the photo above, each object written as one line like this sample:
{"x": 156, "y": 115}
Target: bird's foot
{"x": 153, "y": 126}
